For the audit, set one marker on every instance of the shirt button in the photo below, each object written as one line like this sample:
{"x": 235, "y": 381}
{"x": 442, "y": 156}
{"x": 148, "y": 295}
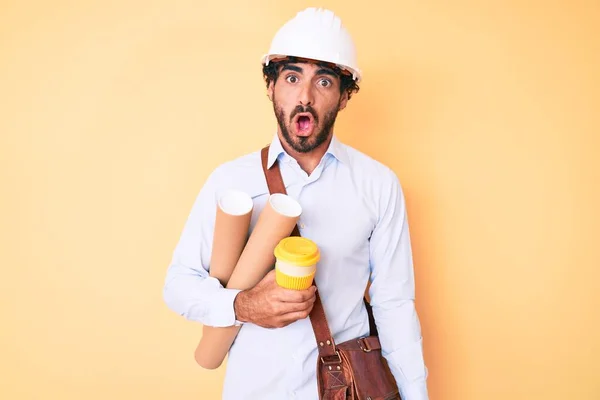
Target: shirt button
{"x": 302, "y": 226}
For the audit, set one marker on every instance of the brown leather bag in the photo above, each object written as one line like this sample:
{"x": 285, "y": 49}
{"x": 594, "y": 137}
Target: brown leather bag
{"x": 352, "y": 370}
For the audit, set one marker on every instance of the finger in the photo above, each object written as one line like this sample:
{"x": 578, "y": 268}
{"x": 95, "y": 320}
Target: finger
{"x": 269, "y": 277}
{"x": 294, "y": 316}
{"x": 297, "y": 296}
{"x": 287, "y": 308}
{"x": 270, "y": 274}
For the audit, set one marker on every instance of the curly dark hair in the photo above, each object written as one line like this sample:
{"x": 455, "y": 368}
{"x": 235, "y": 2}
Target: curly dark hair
{"x": 347, "y": 83}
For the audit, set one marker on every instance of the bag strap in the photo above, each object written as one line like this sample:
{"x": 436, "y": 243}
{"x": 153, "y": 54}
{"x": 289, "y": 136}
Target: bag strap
{"x": 326, "y": 345}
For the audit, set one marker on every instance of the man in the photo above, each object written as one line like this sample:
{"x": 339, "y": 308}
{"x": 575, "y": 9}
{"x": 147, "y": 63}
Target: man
{"x": 353, "y": 208}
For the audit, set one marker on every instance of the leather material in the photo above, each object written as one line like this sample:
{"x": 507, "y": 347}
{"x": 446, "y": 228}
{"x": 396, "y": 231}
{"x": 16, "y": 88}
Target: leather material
{"x": 352, "y": 370}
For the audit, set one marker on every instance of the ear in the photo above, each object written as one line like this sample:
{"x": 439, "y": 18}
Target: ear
{"x": 270, "y": 90}
{"x": 343, "y": 100}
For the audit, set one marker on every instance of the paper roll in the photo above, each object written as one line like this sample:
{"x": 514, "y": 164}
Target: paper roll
{"x": 276, "y": 221}
{"x": 234, "y": 210}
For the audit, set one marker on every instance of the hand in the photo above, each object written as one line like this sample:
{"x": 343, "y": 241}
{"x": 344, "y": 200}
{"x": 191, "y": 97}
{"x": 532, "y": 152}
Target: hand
{"x": 269, "y": 305}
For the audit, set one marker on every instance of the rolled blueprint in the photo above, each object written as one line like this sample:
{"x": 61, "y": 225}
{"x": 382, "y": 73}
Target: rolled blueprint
{"x": 276, "y": 221}
{"x": 234, "y": 210}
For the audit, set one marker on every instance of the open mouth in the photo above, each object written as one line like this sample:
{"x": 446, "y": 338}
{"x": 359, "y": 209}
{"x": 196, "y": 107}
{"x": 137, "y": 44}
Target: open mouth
{"x": 304, "y": 123}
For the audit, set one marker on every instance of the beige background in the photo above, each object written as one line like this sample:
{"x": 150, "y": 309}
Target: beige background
{"x": 114, "y": 112}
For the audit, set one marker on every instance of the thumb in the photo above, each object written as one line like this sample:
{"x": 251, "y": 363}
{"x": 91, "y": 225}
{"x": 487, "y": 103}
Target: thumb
{"x": 270, "y": 277}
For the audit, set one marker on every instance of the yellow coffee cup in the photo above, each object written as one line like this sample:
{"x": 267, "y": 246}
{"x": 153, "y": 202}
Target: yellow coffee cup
{"x": 296, "y": 262}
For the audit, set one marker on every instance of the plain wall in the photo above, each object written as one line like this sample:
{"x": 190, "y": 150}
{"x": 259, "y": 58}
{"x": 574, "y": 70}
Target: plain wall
{"x": 113, "y": 113}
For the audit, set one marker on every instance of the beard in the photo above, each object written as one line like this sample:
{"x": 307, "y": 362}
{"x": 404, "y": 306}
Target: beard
{"x": 305, "y": 144}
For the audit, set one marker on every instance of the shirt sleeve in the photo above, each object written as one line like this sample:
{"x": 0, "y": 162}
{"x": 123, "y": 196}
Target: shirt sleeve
{"x": 188, "y": 289}
{"x": 392, "y": 293}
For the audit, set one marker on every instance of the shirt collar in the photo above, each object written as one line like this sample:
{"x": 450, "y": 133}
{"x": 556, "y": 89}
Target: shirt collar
{"x": 335, "y": 149}
{"x": 275, "y": 150}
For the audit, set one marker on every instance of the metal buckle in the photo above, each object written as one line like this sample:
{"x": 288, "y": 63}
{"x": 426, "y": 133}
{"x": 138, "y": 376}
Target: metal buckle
{"x": 363, "y": 345}
{"x": 326, "y": 359}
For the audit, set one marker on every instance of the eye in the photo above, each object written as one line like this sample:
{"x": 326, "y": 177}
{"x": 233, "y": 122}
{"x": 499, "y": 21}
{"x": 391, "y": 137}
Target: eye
{"x": 325, "y": 82}
{"x": 291, "y": 78}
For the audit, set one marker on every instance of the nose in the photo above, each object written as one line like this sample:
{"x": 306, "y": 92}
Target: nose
{"x": 306, "y": 94}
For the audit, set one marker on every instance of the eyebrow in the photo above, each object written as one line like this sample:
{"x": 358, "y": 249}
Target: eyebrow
{"x": 321, "y": 71}
{"x": 292, "y": 68}
{"x": 326, "y": 71}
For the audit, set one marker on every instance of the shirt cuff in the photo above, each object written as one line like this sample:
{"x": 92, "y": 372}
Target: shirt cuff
{"x": 408, "y": 367}
{"x": 221, "y": 312}
{"x": 415, "y": 391}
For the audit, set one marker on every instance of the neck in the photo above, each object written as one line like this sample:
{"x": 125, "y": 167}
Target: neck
{"x": 307, "y": 161}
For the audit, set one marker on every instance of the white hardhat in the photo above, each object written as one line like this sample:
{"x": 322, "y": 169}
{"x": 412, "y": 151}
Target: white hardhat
{"x": 316, "y": 34}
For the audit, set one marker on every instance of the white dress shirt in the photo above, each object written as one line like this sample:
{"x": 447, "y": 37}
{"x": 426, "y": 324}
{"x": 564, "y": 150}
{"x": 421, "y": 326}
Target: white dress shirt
{"x": 353, "y": 208}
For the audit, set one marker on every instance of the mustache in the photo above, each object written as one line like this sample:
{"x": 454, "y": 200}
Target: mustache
{"x": 302, "y": 109}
